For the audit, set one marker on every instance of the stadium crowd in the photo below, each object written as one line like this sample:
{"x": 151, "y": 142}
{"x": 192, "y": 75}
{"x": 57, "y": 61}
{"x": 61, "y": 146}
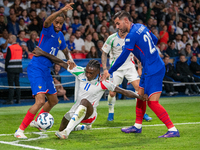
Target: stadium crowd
{"x": 175, "y": 23}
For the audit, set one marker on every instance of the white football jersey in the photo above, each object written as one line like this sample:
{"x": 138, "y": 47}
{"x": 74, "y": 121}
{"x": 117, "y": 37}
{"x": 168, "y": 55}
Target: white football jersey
{"x": 90, "y": 90}
{"x": 114, "y": 45}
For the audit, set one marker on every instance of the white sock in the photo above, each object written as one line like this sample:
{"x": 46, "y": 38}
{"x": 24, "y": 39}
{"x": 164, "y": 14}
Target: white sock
{"x": 111, "y": 103}
{"x": 139, "y": 126}
{"x": 173, "y": 129}
{"x": 20, "y": 130}
{"x": 76, "y": 118}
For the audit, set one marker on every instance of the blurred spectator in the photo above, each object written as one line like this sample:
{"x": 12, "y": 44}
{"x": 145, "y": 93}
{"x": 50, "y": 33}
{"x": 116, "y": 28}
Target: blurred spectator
{"x": 198, "y": 36}
{"x": 4, "y": 43}
{"x": 21, "y": 37}
{"x": 11, "y": 12}
{"x": 179, "y": 45}
{"x": 34, "y": 26}
{"x": 112, "y": 28}
{"x": 169, "y": 88}
{"x": 103, "y": 23}
{"x": 179, "y": 28}
{"x": 57, "y": 80}
{"x": 149, "y": 23}
{"x": 22, "y": 25}
{"x": 95, "y": 38}
{"x": 32, "y": 7}
{"x": 98, "y": 4}
{"x": 25, "y": 4}
{"x": 184, "y": 40}
{"x": 82, "y": 29}
{"x": 88, "y": 43}
{"x": 172, "y": 34}
{"x": 86, "y": 13}
{"x": 32, "y": 43}
{"x": 25, "y": 50}
{"x": 164, "y": 36}
{"x": 24, "y": 15}
{"x": 67, "y": 22}
{"x": 195, "y": 49}
{"x": 79, "y": 42}
{"x": 187, "y": 52}
{"x": 103, "y": 30}
{"x": 155, "y": 32}
{"x": 68, "y": 34}
{"x": 44, "y": 6}
{"x": 2, "y": 13}
{"x": 98, "y": 19}
{"x": 92, "y": 53}
{"x": 143, "y": 14}
{"x": 162, "y": 50}
{"x": 32, "y": 15}
{"x": 108, "y": 11}
{"x": 5, "y": 5}
{"x": 13, "y": 26}
{"x": 13, "y": 67}
{"x": 71, "y": 45}
{"x": 194, "y": 66}
{"x": 99, "y": 48}
{"x": 18, "y": 9}
{"x": 76, "y": 24}
{"x": 190, "y": 33}
{"x": 171, "y": 51}
{"x": 161, "y": 25}
{"x": 183, "y": 68}
{"x": 2, "y": 24}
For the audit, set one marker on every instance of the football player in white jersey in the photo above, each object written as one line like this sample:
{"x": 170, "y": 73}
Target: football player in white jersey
{"x": 113, "y": 46}
{"x": 90, "y": 90}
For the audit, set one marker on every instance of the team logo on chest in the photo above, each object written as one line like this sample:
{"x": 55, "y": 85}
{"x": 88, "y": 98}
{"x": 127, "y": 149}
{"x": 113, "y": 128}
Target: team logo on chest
{"x": 59, "y": 41}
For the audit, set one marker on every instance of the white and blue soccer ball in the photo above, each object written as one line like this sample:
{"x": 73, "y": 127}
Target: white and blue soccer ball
{"x": 45, "y": 121}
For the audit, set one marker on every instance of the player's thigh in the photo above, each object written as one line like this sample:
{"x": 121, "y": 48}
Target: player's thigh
{"x": 52, "y": 98}
{"x": 131, "y": 74}
{"x": 117, "y": 77}
{"x": 40, "y": 99}
{"x": 153, "y": 85}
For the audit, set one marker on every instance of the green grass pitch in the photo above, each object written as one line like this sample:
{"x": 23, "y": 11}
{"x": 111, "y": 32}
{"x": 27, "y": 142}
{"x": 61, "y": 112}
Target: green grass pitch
{"x": 183, "y": 111}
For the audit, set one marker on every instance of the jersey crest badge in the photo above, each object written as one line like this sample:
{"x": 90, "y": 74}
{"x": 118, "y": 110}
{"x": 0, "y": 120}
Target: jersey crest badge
{"x": 59, "y": 41}
{"x": 39, "y": 87}
{"x": 118, "y": 44}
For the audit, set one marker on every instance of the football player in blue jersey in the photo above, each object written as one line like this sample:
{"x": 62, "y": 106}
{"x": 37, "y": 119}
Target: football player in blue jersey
{"x": 141, "y": 42}
{"x": 51, "y": 40}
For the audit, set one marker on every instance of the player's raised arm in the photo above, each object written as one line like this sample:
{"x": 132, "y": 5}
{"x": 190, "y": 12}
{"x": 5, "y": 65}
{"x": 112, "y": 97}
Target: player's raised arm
{"x": 52, "y": 17}
{"x": 130, "y": 94}
{"x": 39, "y": 52}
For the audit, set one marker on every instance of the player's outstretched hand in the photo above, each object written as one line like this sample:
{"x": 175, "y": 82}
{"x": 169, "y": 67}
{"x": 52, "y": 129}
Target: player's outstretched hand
{"x": 105, "y": 75}
{"x": 145, "y": 97}
{"x": 71, "y": 64}
{"x": 37, "y": 51}
{"x": 67, "y": 7}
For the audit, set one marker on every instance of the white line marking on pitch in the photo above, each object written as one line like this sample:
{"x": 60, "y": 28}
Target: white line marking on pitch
{"x": 15, "y": 143}
{"x": 42, "y": 135}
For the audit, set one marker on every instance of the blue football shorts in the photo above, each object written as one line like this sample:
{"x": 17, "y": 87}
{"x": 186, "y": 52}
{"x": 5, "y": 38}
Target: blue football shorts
{"x": 41, "y": 80}
{"x": 152, "y": 84}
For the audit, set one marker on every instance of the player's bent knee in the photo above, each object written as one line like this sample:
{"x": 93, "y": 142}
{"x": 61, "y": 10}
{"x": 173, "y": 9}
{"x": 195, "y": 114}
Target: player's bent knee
{"x": 112, "y": 94}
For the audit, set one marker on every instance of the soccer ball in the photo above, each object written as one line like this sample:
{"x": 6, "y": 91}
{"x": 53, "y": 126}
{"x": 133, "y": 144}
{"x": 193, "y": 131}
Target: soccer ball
{"x": 45, "y": 121}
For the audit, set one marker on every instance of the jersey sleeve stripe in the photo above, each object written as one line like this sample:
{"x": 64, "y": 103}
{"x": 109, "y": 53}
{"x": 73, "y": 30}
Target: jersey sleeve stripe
{"x": 110, "y": 38}
{"x": 139, "y": 49}
{"x": 41, "y": 39}
{"x": 129, "y": 49}
{"x": 103, "y": 86}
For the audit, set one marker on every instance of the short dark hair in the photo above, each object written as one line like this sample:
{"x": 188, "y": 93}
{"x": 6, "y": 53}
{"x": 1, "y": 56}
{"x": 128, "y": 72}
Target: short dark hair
{"x": 122, "y": 14}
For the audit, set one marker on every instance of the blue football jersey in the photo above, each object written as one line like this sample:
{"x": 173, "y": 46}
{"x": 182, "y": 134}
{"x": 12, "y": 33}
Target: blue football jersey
{"x": 50, "y": 42}
{"x": 141, "y": 42}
